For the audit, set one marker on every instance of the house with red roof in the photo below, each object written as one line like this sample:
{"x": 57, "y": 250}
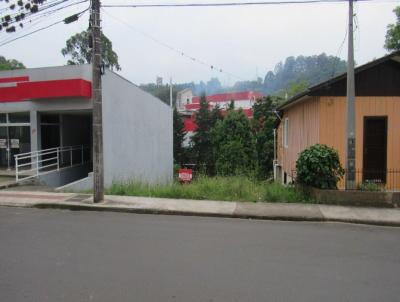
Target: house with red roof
{"x": 188, "y": 105}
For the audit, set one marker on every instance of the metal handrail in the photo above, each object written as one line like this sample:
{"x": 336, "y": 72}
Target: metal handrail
{"x": 53, "y": 158}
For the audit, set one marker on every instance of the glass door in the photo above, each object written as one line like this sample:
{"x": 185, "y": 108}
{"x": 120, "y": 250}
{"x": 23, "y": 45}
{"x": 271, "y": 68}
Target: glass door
{"x": 19, "y": 141}
{"x": 3, "y": 148}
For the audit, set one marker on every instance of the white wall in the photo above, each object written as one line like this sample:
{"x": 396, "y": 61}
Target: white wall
{"x": 137, "y": 133}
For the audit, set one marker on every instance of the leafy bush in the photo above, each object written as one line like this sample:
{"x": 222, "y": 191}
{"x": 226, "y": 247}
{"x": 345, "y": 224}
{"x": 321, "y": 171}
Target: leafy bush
{"x": 319, "y": 166}
{"x": 368, "y": 186}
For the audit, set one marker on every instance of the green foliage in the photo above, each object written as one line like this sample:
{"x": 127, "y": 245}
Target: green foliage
{"x": 294, "y": 88}
{"x": 263, "y": 123}
{"x": 392, "y": 41}
{"x": 10, "y": 64}
{"x": 234, "y": 145}
{"x": 231, "y": 105}
{"x": 368, "y": 186}
{"x": 238, "y": 188}
{"x": 276, "y": 192}
{"x": 319, "y": 166}
{"x": 178, "y": 138}
{"x": 78, "y": 48}
{"x": 311, "y": 69}
{"x": 202, "y": 145}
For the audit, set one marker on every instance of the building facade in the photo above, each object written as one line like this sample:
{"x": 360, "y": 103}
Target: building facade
{"x": 319, "y": 116}
{"x": 47, "y": 108}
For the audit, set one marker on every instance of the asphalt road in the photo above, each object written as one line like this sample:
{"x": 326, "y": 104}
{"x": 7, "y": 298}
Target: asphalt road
{"x": 54, "y": 255}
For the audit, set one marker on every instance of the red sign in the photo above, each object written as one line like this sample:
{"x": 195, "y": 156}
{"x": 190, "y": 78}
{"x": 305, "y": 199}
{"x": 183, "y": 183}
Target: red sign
{"x": 22, "y": 90}
{"x": 185, "y": 175}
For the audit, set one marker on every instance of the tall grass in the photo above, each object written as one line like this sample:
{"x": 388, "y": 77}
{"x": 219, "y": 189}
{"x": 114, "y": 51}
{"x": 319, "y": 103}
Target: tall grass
{"x": 238, "y": 188}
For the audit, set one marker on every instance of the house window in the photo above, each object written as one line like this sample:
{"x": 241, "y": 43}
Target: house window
{"x": 286, "y": 133}
{"x": 187, "y": 101}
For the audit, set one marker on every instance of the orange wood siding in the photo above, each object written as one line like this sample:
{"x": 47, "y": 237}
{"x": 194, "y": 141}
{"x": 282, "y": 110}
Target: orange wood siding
{"x": 303, "y": 132}
{"x": 333, "y": 129}
{"x": 323, "y": 120}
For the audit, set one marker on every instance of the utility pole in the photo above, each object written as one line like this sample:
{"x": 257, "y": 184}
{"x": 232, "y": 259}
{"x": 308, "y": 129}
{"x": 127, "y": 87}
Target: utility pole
{"x": 98, "y": 169}
{"x": 170, "y": 92}
{"x": 350, "y": 118}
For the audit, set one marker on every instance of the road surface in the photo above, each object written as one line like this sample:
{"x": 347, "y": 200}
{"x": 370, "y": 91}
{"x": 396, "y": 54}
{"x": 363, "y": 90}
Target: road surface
{"x": 54, "y": 255}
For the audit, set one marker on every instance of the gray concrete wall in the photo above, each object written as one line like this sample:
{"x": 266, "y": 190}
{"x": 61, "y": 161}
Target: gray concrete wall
{"x": 137, "y": 133}
{"x": 80, "y": 185}
{"x": 64, "y": 176}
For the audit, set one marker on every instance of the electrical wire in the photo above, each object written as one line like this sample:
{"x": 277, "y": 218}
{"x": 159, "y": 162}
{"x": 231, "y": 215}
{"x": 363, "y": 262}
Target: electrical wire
{"x": 210, "y": 4}
{"x": 40, "y": 29}
{"x": 178, "y": 51}
{"x": 43, "y": 11}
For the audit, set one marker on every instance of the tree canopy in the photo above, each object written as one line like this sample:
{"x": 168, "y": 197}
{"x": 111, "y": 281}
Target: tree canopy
{"x": 263, "y": 124}
{"x": 10, "y": 64}
{"x": 392, "y": 41}
{"x": 309, "y": 69}
{"x": 79, "y": 51}
{"x": 234, "y": 145}
{"x": 178, "y": 137}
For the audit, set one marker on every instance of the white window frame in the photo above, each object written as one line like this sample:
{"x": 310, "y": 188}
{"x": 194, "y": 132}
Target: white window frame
{"x": 286, "y": 133}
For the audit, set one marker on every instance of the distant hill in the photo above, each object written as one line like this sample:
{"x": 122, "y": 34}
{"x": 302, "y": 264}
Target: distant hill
{"x": 288, "y": 77}
{"x": 311, "y": 69}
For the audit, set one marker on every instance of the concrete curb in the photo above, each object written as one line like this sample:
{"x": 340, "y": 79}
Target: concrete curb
{"x": 204, "y": 208}
{"x": 103, "y": 208}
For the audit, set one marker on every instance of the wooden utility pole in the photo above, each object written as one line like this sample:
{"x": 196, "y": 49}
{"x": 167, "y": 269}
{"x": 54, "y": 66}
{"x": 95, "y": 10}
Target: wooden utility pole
{"x": 170, "y": 92}
{"x": 350, "y": 118}
{"x": 98, "y": 169}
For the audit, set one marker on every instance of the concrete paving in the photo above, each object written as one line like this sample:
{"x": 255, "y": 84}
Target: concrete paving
{"x": 270, "y": 211}
{"x": 73, "y": 256}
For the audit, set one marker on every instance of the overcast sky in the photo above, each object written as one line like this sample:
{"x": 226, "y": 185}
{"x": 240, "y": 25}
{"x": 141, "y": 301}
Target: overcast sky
{"x": 243, "y": 41}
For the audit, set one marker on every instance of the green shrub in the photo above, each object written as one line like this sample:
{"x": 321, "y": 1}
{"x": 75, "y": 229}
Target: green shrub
{"x": 368, "y": 186}
{"x": 319, "y": 166}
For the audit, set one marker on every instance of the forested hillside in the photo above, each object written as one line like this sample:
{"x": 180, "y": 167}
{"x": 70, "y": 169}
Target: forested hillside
{"x": 288, "y": 78}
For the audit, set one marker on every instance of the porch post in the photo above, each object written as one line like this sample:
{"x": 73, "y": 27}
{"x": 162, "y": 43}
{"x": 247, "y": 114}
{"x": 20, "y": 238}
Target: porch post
{"x": 35, "y": 131}
{"x": 35, "y": 136}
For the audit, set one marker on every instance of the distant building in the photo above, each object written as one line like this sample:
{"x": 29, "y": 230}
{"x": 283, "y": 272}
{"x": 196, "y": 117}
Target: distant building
{"x": 188, "y": 104}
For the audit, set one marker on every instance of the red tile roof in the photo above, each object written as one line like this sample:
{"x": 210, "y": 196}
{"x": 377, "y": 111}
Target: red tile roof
{"x": 226, "y": 97}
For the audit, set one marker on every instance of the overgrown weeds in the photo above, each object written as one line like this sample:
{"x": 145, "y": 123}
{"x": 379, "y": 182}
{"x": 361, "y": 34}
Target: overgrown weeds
{"x": 235, "y": 188}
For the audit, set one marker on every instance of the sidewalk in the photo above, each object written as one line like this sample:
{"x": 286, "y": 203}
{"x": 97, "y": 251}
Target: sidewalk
{"x": 270, "y": 211}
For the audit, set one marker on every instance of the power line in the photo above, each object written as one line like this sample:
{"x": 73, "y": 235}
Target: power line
{"x": 43, "y": 10}
{"x": 210, "y": 4}
{"x": 178, "y": 51}
{"x": 40, "y": 29}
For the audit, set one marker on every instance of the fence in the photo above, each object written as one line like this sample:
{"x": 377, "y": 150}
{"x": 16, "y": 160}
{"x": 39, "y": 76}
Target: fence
{"x": 32, "y": 164}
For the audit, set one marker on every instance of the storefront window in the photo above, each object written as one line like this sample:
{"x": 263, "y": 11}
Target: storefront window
{"x": 3, "y": 118}
{"x": 19, "y": 117}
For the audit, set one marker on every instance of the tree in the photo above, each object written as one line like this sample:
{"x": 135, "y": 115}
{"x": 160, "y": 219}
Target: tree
{"x": 234, "y": 145}
{"x": 215, "y": 115}
{"x": 293, "y": 89}
{"x": 79, "y": 50}
{"x": 312, "y": 69}
{"x": 10, "y": 64}
{"x": 263, "y": 125}
{"x": 202, "y": 147}
{"x": 178, "y": 137}
{"x": 392, "y": 41}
